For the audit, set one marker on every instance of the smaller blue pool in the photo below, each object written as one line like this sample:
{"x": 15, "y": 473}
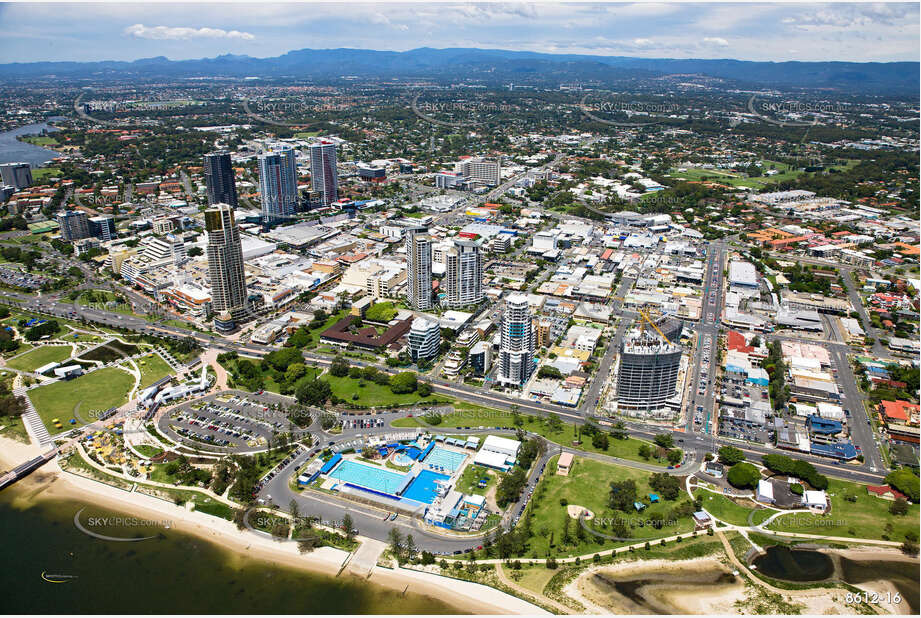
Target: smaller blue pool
{"x": 442, "y": 457}
{"x": 423, "y": 488}
{"x": 402, "y": 460}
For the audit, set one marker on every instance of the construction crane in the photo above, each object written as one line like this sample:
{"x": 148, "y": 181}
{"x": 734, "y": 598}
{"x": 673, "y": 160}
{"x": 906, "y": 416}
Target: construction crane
{"x": 646, "y": 318}
{"x": 653, "y": 324}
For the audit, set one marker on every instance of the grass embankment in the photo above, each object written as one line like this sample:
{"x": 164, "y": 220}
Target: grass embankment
{"x": 731, "y": 512}
{"x": 39, "y": 357}
{"x": 588, "y": 486}
{"x": 152, "y": 368}
{"x": 95, "y": 392}
{"x": 474, "y": 416}
{"x": 854, "y": 513}
{"x": 378, "y": 395}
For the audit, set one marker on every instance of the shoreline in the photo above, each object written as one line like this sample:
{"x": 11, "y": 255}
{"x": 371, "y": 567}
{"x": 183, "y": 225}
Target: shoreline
{"x": 52, "y": 483}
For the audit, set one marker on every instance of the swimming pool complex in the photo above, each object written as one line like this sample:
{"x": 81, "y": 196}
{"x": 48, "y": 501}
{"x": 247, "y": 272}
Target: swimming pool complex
{"x": 443, "y": 458}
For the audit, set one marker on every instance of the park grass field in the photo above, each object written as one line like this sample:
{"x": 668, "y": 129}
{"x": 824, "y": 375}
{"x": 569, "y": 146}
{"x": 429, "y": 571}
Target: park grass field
{"x": 472, "y": 415}
{"x": 588, "y": 486}
{"x": 95, "y": 392}
{"x": 372, "y": 394}
{"x": 867, "y": 517}
{"x": 152, "y": 369}
{"x": 40, "y": 356}
{"x": 726, "y": 510}
{"x": 534, "y": 579}
{"x": 123, "y": 308}
{"x": 42, "y": 173}
{"x": 40, "y": 140}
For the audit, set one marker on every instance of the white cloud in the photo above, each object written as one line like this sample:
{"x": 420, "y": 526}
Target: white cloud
{"x": 642, "y": 42}
{"x": 161, "y": 33}
{"x": 715, "y": 41}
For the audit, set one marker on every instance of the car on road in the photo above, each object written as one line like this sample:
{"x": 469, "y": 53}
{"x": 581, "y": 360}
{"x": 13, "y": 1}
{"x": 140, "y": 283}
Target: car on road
{"x": 393, "y": 517}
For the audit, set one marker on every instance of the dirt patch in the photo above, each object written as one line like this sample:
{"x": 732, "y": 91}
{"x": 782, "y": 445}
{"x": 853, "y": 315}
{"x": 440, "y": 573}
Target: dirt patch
{"x": 575, "y": 511}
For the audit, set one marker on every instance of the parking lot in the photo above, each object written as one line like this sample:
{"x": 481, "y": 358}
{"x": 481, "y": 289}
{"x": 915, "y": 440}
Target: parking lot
{"x": 362, "y": 423}
{"x": 748, "y": 418}
{"x": 236, "y": 423}
{"x": 20, "y": 279}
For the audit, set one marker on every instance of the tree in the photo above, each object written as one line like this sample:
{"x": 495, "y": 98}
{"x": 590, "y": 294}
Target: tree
{"x": 410, "y": 547}
{"x": 424, "y": 389}
{"x": 295, "y": 372}
{"x": 619, "y": 432}
{"x": 313, "y": 392}
{"x": 348, "y": 526}
{"x": 906, "y": 482}
{"x": 194, "y": 251}
{"x": 299, "y": 338}
{"x": 403, "y": 382}
{"x": 743, "y": 476}
{"x": 339, "y": 367}
{"x": 395, "y": 539}
{"x": 665, "y": 440}
{"x": 674, "y": 456}
{"x": 600, "y": 441}
{"x": 622, "y": 495}
{"x": 510, "y": 487}
{"x": 644, "y": 451}
{"x": 899, "y": 506}
{"x": 549, "y": 371}
{"x": 668, "y": 486}
{"x": 731, "y": 455}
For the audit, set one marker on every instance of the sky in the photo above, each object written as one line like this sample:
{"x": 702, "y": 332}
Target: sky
{"x": 858, "y": 32}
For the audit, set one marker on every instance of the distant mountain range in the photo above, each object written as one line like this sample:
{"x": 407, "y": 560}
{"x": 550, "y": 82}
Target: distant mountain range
{"x": 490, "y": 66}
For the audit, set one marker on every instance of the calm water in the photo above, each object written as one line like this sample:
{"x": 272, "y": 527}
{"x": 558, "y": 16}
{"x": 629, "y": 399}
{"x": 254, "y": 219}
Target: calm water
{"x": 13, "y": 150}
{"x": 807, "y": 566}
{"x": 795, "y": 565}
{"x": 171, "y": 573}
{"x": 903, "y": 575}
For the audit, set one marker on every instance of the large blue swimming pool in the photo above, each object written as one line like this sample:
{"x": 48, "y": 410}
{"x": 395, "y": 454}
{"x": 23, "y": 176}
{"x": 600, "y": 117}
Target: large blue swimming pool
{"x": 422, "y": 489}
{"x": 447, "y": 459}
{"x": 371, "y": 477}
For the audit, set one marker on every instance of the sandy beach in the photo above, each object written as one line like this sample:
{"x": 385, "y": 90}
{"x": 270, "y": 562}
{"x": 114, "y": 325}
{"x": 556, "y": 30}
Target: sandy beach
{"x": 50, "y": 482}
{"x": 697, "y": 586}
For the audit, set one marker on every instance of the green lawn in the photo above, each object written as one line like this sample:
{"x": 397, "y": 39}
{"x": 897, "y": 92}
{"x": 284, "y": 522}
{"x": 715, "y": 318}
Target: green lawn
{"x": 13, "y": 427}
{"x": 471, "y": 415}
{"x": 866, "y": 518}
{"x": 381, "y": 312}
{"x": 40, "y": 140}
{"x": 472, "y": 474}
{"x": 315, "y": 332}
{"x": 40, "y": 356}
{"x": 152, "y": 369}
{"x": 726, "y": 510}
{"x": 372, "y": 394}
{"x": 148, "y": 450}
{"x": 588, "y": 485}
{"x": 41, "y": 174}
{"x": 117, "y": 307}
{"x": 306, "y": 134}
{"x": 534, "y": 578}
{"x": 96, "y": 392}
